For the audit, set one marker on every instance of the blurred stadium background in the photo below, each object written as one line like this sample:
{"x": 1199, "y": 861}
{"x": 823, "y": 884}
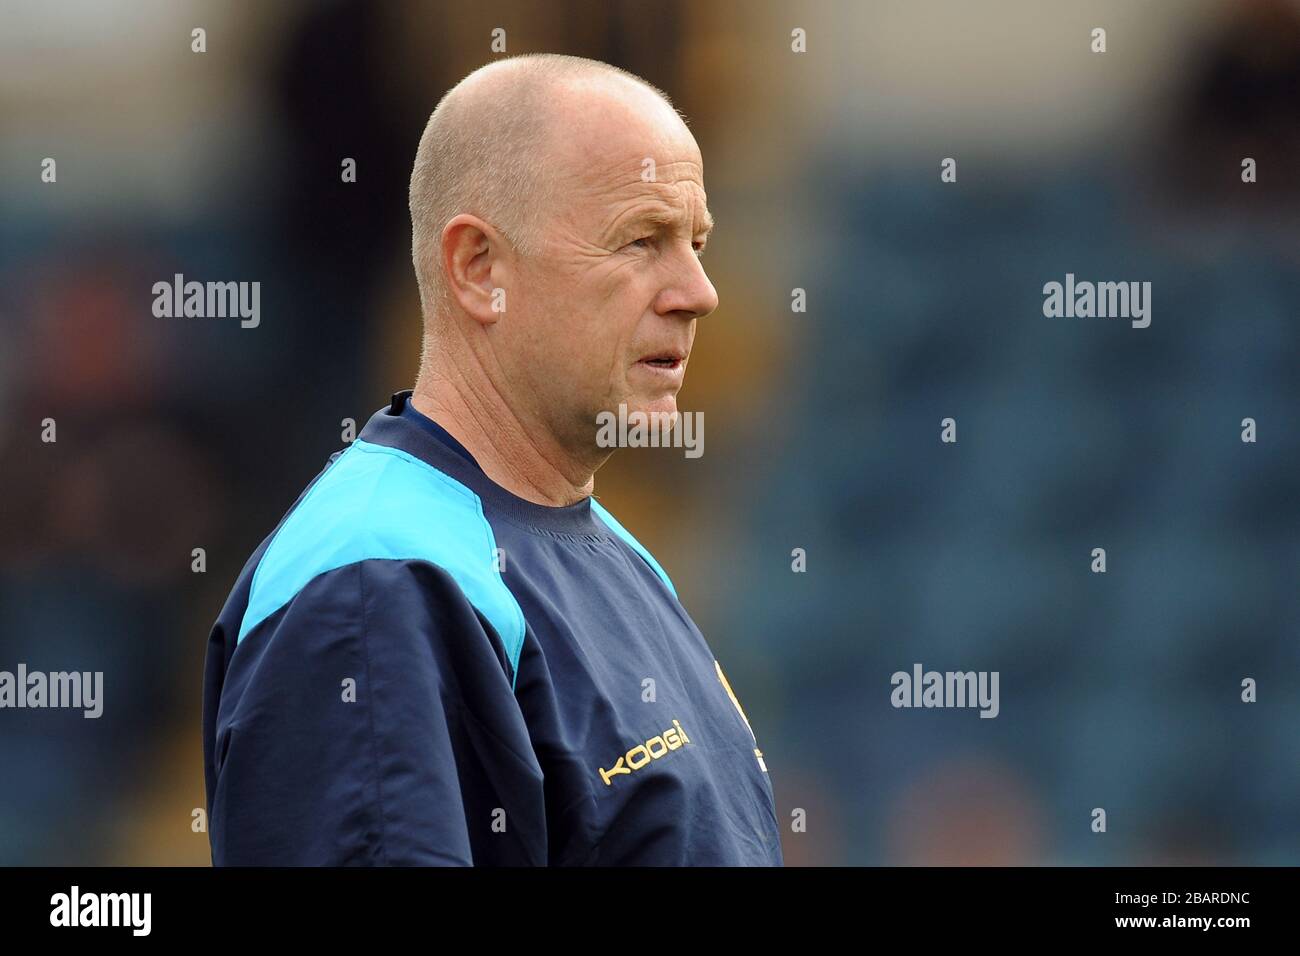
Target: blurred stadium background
{"x": 924, "y": 301}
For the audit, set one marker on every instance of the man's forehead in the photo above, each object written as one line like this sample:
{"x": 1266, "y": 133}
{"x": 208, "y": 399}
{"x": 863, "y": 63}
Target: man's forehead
{"x": 620, "y": 151}
{"x": 679, "y": 203}
{"x": 645, "y": 172}
{"x": 663, "y": 202}
{"x": 609, "y": 130}
{"x": 625, "y": 155}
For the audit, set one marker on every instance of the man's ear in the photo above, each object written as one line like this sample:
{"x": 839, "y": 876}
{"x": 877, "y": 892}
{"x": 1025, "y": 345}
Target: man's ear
{"x": 474, "y": 261}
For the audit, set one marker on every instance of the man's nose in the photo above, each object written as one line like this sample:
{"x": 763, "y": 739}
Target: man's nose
{"x": 689, "y": 289}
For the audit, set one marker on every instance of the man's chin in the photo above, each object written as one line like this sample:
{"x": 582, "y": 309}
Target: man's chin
{"x": 635, "y": 418}
{"x": 653, "y": 407}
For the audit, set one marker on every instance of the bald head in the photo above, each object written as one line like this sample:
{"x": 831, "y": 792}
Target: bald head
{"x": 488, "y": 150}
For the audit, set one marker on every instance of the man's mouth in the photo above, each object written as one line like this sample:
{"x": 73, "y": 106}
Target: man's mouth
{"x": 665, "y": 360}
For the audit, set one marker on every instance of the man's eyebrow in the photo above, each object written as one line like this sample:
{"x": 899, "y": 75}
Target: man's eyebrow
{"x": 661, "y": 218}
{"x": 667, "y": 220}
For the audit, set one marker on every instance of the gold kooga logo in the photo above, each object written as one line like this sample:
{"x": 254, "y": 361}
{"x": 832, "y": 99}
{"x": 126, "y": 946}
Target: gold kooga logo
{"x": 640, "y": 755}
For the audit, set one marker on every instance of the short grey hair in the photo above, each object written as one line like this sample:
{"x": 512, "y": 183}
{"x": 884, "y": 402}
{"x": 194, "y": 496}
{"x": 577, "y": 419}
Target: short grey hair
{"x": 484, "y": 159}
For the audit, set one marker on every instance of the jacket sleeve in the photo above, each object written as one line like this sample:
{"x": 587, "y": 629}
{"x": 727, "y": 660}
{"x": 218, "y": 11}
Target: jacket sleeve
{"x": 370, "y": 721}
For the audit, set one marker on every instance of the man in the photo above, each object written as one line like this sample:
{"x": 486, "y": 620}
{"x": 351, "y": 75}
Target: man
{"x": 449, "y": 652}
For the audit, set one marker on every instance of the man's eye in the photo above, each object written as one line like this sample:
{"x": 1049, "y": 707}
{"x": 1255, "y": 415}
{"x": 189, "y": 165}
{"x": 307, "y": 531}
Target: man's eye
{"x": 643, "y": 242}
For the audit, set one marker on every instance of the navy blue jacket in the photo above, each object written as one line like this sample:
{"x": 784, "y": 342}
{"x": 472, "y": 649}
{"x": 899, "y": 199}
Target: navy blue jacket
{"x": 419, "y": 667}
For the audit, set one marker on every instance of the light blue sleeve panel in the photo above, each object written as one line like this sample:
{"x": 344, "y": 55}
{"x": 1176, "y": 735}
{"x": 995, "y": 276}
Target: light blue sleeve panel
{"x": 377, "y": 502}
{"x": 632, "y": 542}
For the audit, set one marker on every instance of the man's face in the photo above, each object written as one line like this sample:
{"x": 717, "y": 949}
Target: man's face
{"x": 609, "y": 305}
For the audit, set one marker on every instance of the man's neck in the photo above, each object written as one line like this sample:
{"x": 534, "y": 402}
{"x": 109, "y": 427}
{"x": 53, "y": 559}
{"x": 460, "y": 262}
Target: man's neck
{"x": 517, "y": 458}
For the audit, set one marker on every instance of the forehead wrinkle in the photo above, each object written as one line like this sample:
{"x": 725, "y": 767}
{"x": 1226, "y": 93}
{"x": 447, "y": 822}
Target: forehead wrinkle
{"x": 630, "y": 172}
{"x": 664, "y": 204}
{"x": 611, "y": 185}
